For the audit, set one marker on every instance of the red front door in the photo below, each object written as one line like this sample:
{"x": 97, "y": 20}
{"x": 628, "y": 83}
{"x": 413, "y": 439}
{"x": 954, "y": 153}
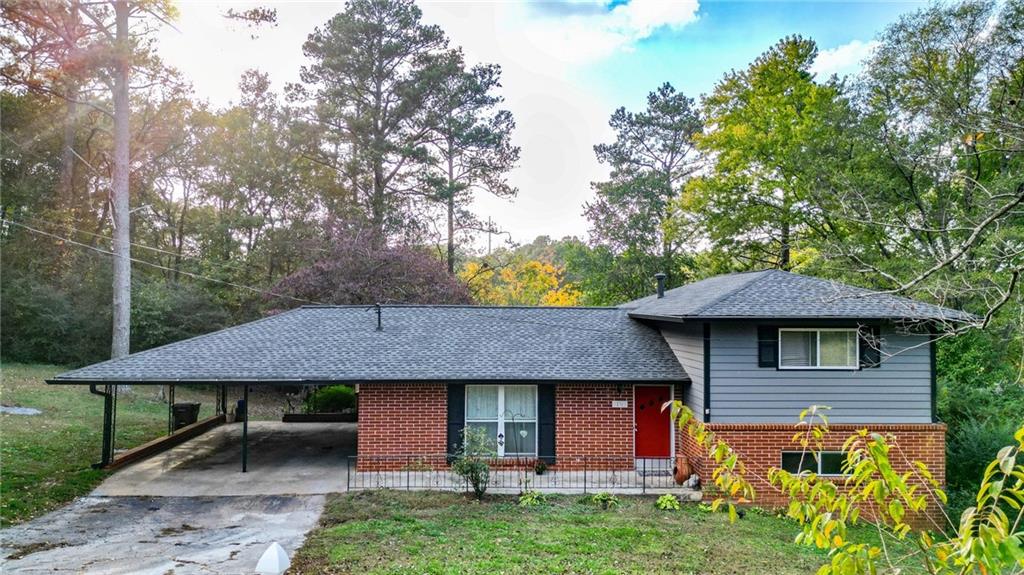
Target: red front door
{"x": 653, "y": 426}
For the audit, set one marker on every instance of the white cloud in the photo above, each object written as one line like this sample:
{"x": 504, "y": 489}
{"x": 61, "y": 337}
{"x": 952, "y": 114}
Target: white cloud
{"x": 588, "y": 35}
{"x": 845, "y": 59}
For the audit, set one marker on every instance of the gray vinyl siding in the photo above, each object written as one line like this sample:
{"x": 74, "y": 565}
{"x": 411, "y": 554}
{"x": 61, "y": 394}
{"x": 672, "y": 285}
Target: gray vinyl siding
{"x": 899, "y": 391}
{"x": 687, "y": 343}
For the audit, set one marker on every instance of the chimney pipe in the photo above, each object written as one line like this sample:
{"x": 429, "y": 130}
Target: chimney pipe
{"x": 660, "y": 276}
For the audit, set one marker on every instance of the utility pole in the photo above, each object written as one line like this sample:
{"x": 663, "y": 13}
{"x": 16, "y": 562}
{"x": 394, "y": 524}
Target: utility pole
{"x": 490, "y": 229}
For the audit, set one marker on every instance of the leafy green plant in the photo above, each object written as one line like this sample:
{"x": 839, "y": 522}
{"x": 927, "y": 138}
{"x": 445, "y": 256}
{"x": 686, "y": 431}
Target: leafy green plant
{"x": 729, "y": 475}
{"x": 988, "y": 539}
{"x": 971, "y": 446}
{"x": 471, "y": 463}
{"x": 540, "y": 468}
{"x": 331, "y": 399}
{"x": 668, "y": 502}
{"x": 532, "y": 499}
{"x": 605, "y": 500}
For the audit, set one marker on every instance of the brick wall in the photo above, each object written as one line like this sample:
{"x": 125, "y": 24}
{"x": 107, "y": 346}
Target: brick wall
{"x": 760, "y": 447}
{"x": 401, "y": 419}
{"x": 586, "y": 424}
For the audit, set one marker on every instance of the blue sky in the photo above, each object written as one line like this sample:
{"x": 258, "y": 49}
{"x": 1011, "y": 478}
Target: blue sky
{"x": 566, "y": 67}
{"x": 729, "y": 35}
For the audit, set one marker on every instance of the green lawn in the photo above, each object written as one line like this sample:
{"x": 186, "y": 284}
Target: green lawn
{"x": 45, "y": 459}
{"x": 419, "y": 532}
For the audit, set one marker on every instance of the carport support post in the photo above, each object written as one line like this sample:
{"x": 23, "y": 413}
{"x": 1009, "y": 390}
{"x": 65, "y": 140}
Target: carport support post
{"x": 245, "y": 430}
{"x": 170, "y": 409}
{"x": 108, "y": 426}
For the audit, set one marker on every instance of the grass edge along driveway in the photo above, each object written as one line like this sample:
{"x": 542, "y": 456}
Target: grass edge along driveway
{"x": 46, "y": 459}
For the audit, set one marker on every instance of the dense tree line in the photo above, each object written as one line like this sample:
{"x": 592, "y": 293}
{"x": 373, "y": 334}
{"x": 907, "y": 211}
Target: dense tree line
{"x": 351, "y": 186}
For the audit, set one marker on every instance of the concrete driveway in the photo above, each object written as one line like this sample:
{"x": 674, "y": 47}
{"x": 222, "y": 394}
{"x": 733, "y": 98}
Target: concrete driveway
{"x": 191, "y": 509}
{"x": 284, "y": 459}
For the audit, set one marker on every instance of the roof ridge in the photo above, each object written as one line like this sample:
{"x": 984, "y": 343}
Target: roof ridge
{"x": 705, "y": 307}
{"x": 450, "y": 306}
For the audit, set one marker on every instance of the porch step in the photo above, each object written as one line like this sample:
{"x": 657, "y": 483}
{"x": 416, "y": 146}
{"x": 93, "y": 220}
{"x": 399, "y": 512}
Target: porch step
{"x": 653, "y": 467}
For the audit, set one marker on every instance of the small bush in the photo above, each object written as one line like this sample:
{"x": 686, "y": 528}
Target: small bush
{"x": 604, "y": 499}
{"x": 471, "y": 461}
{"x": 331, "y": 399}
{"x": 532, "y": 499}
{"x": 668, "y": 502}
{"x": 969, "y": 450}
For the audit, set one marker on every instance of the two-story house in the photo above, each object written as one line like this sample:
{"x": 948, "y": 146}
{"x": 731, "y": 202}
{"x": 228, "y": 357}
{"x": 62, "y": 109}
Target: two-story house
{"x": 746, "y": 352}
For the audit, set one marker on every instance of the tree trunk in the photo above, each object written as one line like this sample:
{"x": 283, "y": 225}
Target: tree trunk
{"x": 119, "y": 188}
{"x": 179, "y": 240}
{"x": 784, "y": 246}
{"x": 451, "y": 212}
{"x": 67, "y": 156}
{"x": 377, "y": 206}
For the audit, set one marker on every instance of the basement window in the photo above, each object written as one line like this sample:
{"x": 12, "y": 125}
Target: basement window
{"x": 825, "y": 348}
{"x": 820, "y": 462}
{"x": 508, "y": 413}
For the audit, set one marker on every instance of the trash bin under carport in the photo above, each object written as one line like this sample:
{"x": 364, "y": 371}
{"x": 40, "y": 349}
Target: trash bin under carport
{"x": 184, "y": 414}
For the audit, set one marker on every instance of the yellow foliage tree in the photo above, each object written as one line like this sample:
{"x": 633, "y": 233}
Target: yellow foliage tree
{"x": 526, "y": 282}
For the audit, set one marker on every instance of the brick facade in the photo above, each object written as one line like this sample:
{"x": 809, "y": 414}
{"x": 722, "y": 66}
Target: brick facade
{"x": 399, "y": 419}
{"x": 586, "y": 425}
{"x": 760, "y": 447}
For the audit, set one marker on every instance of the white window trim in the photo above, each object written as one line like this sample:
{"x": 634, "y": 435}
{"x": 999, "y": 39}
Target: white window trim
{"x": 500, "y": 420}
{"x": 816, "y": 457}
{"x": 817, "y": 360}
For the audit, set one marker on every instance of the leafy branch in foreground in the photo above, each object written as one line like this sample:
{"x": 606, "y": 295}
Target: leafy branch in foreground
{"x": 880, "y": 486}
{"x": 729, "y": 474}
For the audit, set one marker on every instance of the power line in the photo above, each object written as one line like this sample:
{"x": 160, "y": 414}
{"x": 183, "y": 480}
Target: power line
{"x": 265, "y": 292}
{"x": 154, "y": 249}
{"x": 140, "y": 246}
{"x": 165, "y": 268}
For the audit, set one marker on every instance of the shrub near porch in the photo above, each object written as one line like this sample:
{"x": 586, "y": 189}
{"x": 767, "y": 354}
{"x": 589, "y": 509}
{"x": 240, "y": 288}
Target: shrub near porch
{"x": 425, "y": 532}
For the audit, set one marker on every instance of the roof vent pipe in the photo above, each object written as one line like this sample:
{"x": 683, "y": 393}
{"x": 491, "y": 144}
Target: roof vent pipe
{"x": 660, "y": 276}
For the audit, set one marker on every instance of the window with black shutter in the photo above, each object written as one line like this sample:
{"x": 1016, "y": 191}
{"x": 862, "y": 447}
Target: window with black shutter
{"x": 767, "y": 346}
{"x": 870, "y": 346}
{"x": 546, "y": 423}
{"x": 456, "y": 416}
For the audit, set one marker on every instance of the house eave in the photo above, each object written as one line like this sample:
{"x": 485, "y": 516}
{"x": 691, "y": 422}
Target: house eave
{"x": 352, "y": 381}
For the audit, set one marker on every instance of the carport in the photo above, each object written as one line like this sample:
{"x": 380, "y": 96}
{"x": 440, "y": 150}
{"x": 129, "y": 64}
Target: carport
{"x": 282, "y": 350}
{"x": 108, "y": 390}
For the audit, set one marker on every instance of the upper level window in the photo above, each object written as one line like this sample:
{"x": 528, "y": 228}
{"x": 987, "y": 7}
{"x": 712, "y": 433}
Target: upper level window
{"x": 824, "y": 348}
{"x": 508, "y": 413}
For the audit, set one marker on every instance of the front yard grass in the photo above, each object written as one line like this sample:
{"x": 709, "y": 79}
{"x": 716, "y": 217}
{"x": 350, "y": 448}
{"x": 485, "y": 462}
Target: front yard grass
{"x": 428, "y": 532}
{"x": 45, "y": 460}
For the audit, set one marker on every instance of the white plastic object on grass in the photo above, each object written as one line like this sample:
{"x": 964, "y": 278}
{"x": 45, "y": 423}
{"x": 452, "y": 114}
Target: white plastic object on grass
{"x": 274, "y": 560}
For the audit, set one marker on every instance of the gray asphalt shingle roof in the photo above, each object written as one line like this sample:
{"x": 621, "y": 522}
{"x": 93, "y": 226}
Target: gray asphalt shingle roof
{"x": 418, "y": 343}
{"x": 781, "y": 294}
